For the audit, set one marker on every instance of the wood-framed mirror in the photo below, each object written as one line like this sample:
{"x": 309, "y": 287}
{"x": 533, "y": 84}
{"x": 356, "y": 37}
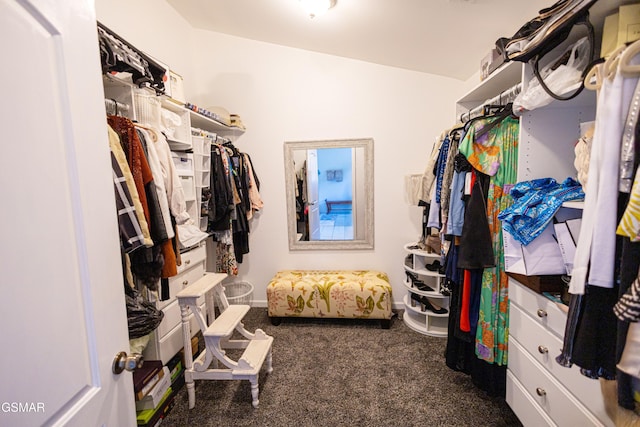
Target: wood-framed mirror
{"x": 329, "y": 190}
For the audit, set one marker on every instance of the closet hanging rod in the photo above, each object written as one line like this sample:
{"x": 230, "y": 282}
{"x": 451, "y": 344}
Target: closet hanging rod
{"x": 115, "y": 108}
{"x": 503, "y": 98}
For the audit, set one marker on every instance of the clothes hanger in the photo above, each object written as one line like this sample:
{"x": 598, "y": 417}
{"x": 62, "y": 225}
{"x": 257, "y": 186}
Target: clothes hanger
{"x": 626, "y": 68}
{"x": 593, "y": 78}
{"x": 610, "y": 67}
{"x": 152, "y": 132}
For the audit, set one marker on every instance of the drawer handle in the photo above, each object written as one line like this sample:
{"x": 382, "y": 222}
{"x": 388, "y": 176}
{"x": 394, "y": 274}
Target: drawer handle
{"x": 542, "y": 349}
{"x": 185, "y": 283}
{"x": 541, "y": 392}
{"x": 187, "y": 262}
{"x": 542, "y": 313}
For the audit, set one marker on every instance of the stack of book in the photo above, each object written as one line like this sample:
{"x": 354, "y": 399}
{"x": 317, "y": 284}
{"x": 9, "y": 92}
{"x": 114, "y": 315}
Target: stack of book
{"x": 155, "y": 387}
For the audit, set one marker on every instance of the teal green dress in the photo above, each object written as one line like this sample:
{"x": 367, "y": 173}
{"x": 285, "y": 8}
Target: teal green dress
{"x": 495, "y": 154}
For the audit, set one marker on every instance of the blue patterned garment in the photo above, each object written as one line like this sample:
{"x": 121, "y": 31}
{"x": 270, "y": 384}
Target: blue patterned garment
{"x": 535, "y": 204}
{"x": 440, "y": 165}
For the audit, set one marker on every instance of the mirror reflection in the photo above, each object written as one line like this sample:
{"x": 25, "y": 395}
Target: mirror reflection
{"x": 330, "y": 194}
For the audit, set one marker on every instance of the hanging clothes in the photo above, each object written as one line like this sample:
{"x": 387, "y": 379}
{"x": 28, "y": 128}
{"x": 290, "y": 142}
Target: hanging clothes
{"x": 121, "y": 159}
{"x": 221, "y": 204}
{"x": 148, "y": 264}
{"x": 455, "y": 221}
{"x": 595, "y": 253}
{"x": 253, "y": 187}
{"x": 494, "y": 153}
{"x": 240, "y": 223}
{"x": 476, "y": 247}
{"x": 447, "y": 178}
{"x": 428, "y": 177}
{"x": 164, "y": 224}
{"x": 234, "y": 199}
{"x": 131, "y": 237}
{"x": 605, "y": 265}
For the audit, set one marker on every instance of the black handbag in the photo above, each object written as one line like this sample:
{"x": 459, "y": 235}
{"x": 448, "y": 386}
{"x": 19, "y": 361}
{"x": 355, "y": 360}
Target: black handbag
{"x": 544, "y": 33}
{"x": 142, "y": 316}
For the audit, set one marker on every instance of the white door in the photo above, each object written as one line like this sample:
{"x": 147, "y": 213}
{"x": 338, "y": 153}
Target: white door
{"x": 312, "y": 195}
{"x": 62, "y": 312}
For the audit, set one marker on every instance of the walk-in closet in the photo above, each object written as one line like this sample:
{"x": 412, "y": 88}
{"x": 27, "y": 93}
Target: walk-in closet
{"x": 321, "y": 212}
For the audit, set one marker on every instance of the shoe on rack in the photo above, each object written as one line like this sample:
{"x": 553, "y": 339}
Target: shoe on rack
{"x": 417, "y": 283}
{"x": 445, "y": 289}
{"x": 428, "y": 305}
{"x": 408, "y": 261}
{"x": 417, "y": 299}
{"x": 434, "y": 266}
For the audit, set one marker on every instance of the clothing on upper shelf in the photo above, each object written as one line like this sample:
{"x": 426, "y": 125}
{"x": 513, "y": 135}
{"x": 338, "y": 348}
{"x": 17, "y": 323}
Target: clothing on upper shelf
{"x": 535, "y": 204}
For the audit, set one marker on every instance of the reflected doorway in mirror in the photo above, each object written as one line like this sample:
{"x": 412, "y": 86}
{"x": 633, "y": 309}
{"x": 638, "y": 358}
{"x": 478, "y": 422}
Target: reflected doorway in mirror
{"x": 329, "y": 187}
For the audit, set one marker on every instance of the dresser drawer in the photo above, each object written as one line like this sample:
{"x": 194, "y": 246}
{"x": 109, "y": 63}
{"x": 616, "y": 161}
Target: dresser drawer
{"x": 173, "y": 317}
{"x": 179, "y": 282}
{"x": 192, "y": 257}
{"x": 544, "y": 311}
{"x": 536, "y": 339}
{"x": 554, "y": 399}
{"x": 523, "y": 405}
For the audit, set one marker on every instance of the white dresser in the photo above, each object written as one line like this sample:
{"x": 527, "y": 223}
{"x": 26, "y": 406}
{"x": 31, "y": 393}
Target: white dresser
{"x": 167, "y": 339}
{"x": 540, "y": 391}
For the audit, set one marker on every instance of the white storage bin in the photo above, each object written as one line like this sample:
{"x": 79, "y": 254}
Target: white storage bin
{"x": 201, "y": 162}
{"x": 147, "y": 108}
{"x": 201, "y": 144}
{"x": 183, "y": 163}
{"x": 188, "y": 187}
{"x": 204, "y": 177}
{"x": 198, "y": 144}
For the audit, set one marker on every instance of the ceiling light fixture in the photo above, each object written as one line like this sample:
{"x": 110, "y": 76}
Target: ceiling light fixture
{"x": 317, "y": 7}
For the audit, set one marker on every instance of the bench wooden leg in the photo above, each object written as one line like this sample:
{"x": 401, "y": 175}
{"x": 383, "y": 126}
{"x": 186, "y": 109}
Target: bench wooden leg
{"x": 275, "y": 321}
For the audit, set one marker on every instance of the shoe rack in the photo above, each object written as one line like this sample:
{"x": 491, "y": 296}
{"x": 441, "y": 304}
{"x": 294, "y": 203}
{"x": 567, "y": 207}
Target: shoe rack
{"x": 426, "y": 308}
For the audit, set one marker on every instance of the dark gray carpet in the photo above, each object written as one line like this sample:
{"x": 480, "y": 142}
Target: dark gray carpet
{"x": 330, "y": 372}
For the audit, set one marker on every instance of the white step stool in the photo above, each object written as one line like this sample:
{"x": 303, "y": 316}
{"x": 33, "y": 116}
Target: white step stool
{"x": 216, "y": 337}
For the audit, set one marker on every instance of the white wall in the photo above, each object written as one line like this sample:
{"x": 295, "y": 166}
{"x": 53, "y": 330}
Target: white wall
{"x": 155, "y": 28}
{"x": 285, "y": 94}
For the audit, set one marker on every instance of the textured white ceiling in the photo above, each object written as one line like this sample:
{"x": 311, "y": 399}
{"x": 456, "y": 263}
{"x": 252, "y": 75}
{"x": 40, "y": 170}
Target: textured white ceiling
{"x": 443, "y": 37}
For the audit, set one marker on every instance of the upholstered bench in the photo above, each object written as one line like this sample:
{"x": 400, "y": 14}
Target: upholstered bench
{"x": 360, "y": 294}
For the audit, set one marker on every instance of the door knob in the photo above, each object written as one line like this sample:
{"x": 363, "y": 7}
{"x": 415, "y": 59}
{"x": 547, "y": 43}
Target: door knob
{"x": 541, "y": 392}
{"x": 542, "y": 313}
{"x": 123, "y": 362}
{"x": 542, "y": 349}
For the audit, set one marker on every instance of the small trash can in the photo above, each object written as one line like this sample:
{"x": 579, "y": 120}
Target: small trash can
{"x": 239, "y": 292}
